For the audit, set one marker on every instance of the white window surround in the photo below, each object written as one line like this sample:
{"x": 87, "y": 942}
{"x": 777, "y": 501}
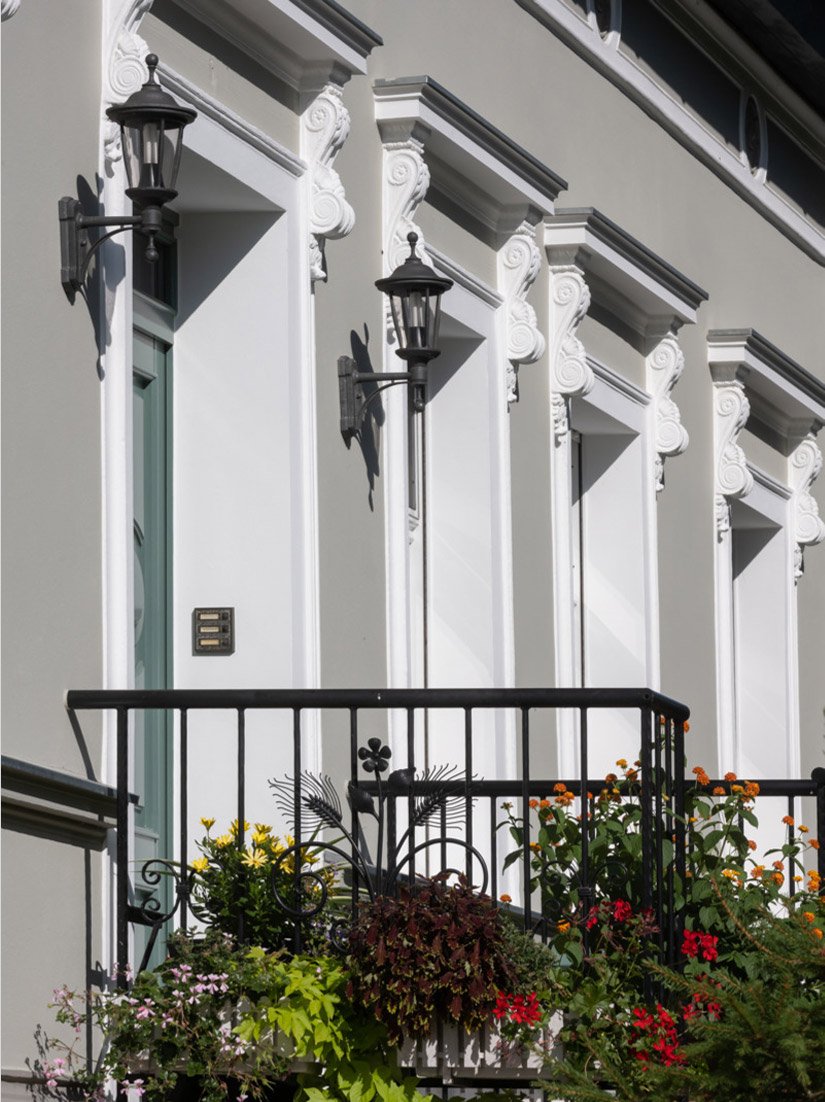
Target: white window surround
{"x": 751, "y": 375}
{"x": 591, "y": 257}
{"x": 425, "y": 130}
{"x": 226, "y": 145}
{"x": 744, "y": 63}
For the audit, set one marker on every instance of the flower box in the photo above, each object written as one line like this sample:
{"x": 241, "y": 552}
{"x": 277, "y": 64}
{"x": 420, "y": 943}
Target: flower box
{"x": 450, "y": 1053}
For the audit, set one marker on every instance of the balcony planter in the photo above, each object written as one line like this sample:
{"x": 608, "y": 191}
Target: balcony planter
{"x": 450, "y": 1053}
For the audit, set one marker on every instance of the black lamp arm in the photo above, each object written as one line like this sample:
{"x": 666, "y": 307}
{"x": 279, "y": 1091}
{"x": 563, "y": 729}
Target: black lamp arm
{"x": 92, "y": 249}
{"x": 354, "y": 402}
{"x": 76, "y": 249}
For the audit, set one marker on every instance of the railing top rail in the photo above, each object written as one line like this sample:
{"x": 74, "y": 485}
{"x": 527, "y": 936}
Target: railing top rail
{"x": 82, "y": 699}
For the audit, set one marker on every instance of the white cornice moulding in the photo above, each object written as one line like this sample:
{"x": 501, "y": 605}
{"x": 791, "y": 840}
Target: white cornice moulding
{"x": 664, "y": 366}
{"x": 790, "y": 399}
{"x": 500, "y": 184}
{"x": 787, "y": 398}
{"x": 804, "y": 466}
{"x": 733, "y": 479}
{"x": 8, "y": 8}
{"x": 306, "y": 43}
{"x": 671, "y": 113}
{"x": 518, "y": 264}
{"x": 641, "y": 288}
{"x": 570, "y": 373}
{"x": 324, "y": 128}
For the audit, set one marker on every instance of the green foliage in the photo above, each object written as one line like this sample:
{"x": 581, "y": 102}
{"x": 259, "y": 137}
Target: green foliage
{"x": 319, "y": 1023}
{"x": 437, "y": 952}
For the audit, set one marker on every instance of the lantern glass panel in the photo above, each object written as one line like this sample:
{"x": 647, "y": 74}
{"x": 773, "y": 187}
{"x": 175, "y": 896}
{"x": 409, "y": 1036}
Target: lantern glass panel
{"x": 436, "y": 320}
{"x": 417, "y": 311}
{"x": 172, "y": 149}
{"x": 152, "y": 146}
{"x": 132, "y": 141}
{"x": 398, "y": 318}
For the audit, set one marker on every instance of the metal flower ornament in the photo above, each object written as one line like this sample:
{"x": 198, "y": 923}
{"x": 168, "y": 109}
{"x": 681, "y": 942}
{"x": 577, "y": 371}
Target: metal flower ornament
{"x": 434, "y": 800}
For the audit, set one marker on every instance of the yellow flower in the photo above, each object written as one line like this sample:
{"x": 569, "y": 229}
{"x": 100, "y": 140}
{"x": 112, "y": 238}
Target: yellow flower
{"x": 802, "y": 828}
{"x": 262, "y": 828}
{"x": 200, "y": 864}
{"x": 259, "y": 838}
{"x": 729, "y": 874}
{"x": 622, "y": 763}
{"x": 254, "y": 860}
{"x": 234, "y": 826}
{"x": 563, "y": 927}
{"x": 223, "y": 841}
{"x": 208, "y": 823}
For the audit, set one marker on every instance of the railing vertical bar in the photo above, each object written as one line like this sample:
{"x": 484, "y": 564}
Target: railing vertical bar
{"x": 298, "y": 766}
{"x": 354, "y": 827}
{"x": 468, "y": 799}
{"x": 411, "y": 796}
{"x": 240, "y": 838}
{"x": 647, "y": 826}
{"x": 586, "y": 894}
{"x": 184, "y": 814}
{"x": 818, "y": 777}
{"x": 659, "y": 832}
{"x": 791, "y": 838}
{"x": 122, "y": 846}
{"x": 493, "y": 849}
{"x": 680, "y": 813}
{"x": 525, "y": 813}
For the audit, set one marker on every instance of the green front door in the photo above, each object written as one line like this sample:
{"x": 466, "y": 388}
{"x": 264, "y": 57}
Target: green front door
{"x": 152, "y": 550}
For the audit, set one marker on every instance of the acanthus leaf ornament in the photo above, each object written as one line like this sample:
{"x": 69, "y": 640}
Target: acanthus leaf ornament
{"x": 665, "y": 365}
{"x": 733, "y": 478}
{"x": 804, "y": 466}
{"x": 8, "y": 8}
{"x": 324, "y": 128}
{"x": 126, "y": 71}
{"x": 406, "y": 180}
{"x": 570, "y": 373}
{"x": 519, "y": 261}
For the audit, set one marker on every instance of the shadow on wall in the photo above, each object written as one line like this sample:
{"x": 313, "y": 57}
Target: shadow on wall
{"x": 368, "y": 435}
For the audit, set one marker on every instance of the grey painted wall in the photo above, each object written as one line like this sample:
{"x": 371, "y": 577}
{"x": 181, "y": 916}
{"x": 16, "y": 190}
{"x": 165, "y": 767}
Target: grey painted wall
{"x": 548, "y": 100}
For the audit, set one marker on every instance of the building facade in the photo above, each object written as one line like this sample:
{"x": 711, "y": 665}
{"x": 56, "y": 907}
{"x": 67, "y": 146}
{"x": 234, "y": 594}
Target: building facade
{"x": 614, "y": 482}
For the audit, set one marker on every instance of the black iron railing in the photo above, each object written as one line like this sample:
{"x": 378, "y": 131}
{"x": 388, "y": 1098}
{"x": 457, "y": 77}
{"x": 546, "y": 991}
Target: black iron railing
{"x": 415, "y": 820}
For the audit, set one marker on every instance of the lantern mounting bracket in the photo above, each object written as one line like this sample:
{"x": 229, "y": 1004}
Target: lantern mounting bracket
{"x": 76, "y": 249}
{"x": 354, "y": 402}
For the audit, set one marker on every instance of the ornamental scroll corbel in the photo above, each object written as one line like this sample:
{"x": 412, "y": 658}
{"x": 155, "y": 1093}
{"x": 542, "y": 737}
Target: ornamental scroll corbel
{"x": 324, "y": 128}
{"x": 8, "y": 8}
{"x": 804, "y": 466}
{"x": 570, "y": 373}
{"x": 665, "y": 365}
{"x": 406, "y": 180}
{"x": 733, "y": 479}
{"x": 519, "y": 261}
{"x": 125, "y": 73}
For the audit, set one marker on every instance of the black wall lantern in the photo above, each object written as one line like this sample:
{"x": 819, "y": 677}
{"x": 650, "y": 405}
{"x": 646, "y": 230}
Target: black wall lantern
{"x": 415, "y": 292}
{"x": 151, "y": 130}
